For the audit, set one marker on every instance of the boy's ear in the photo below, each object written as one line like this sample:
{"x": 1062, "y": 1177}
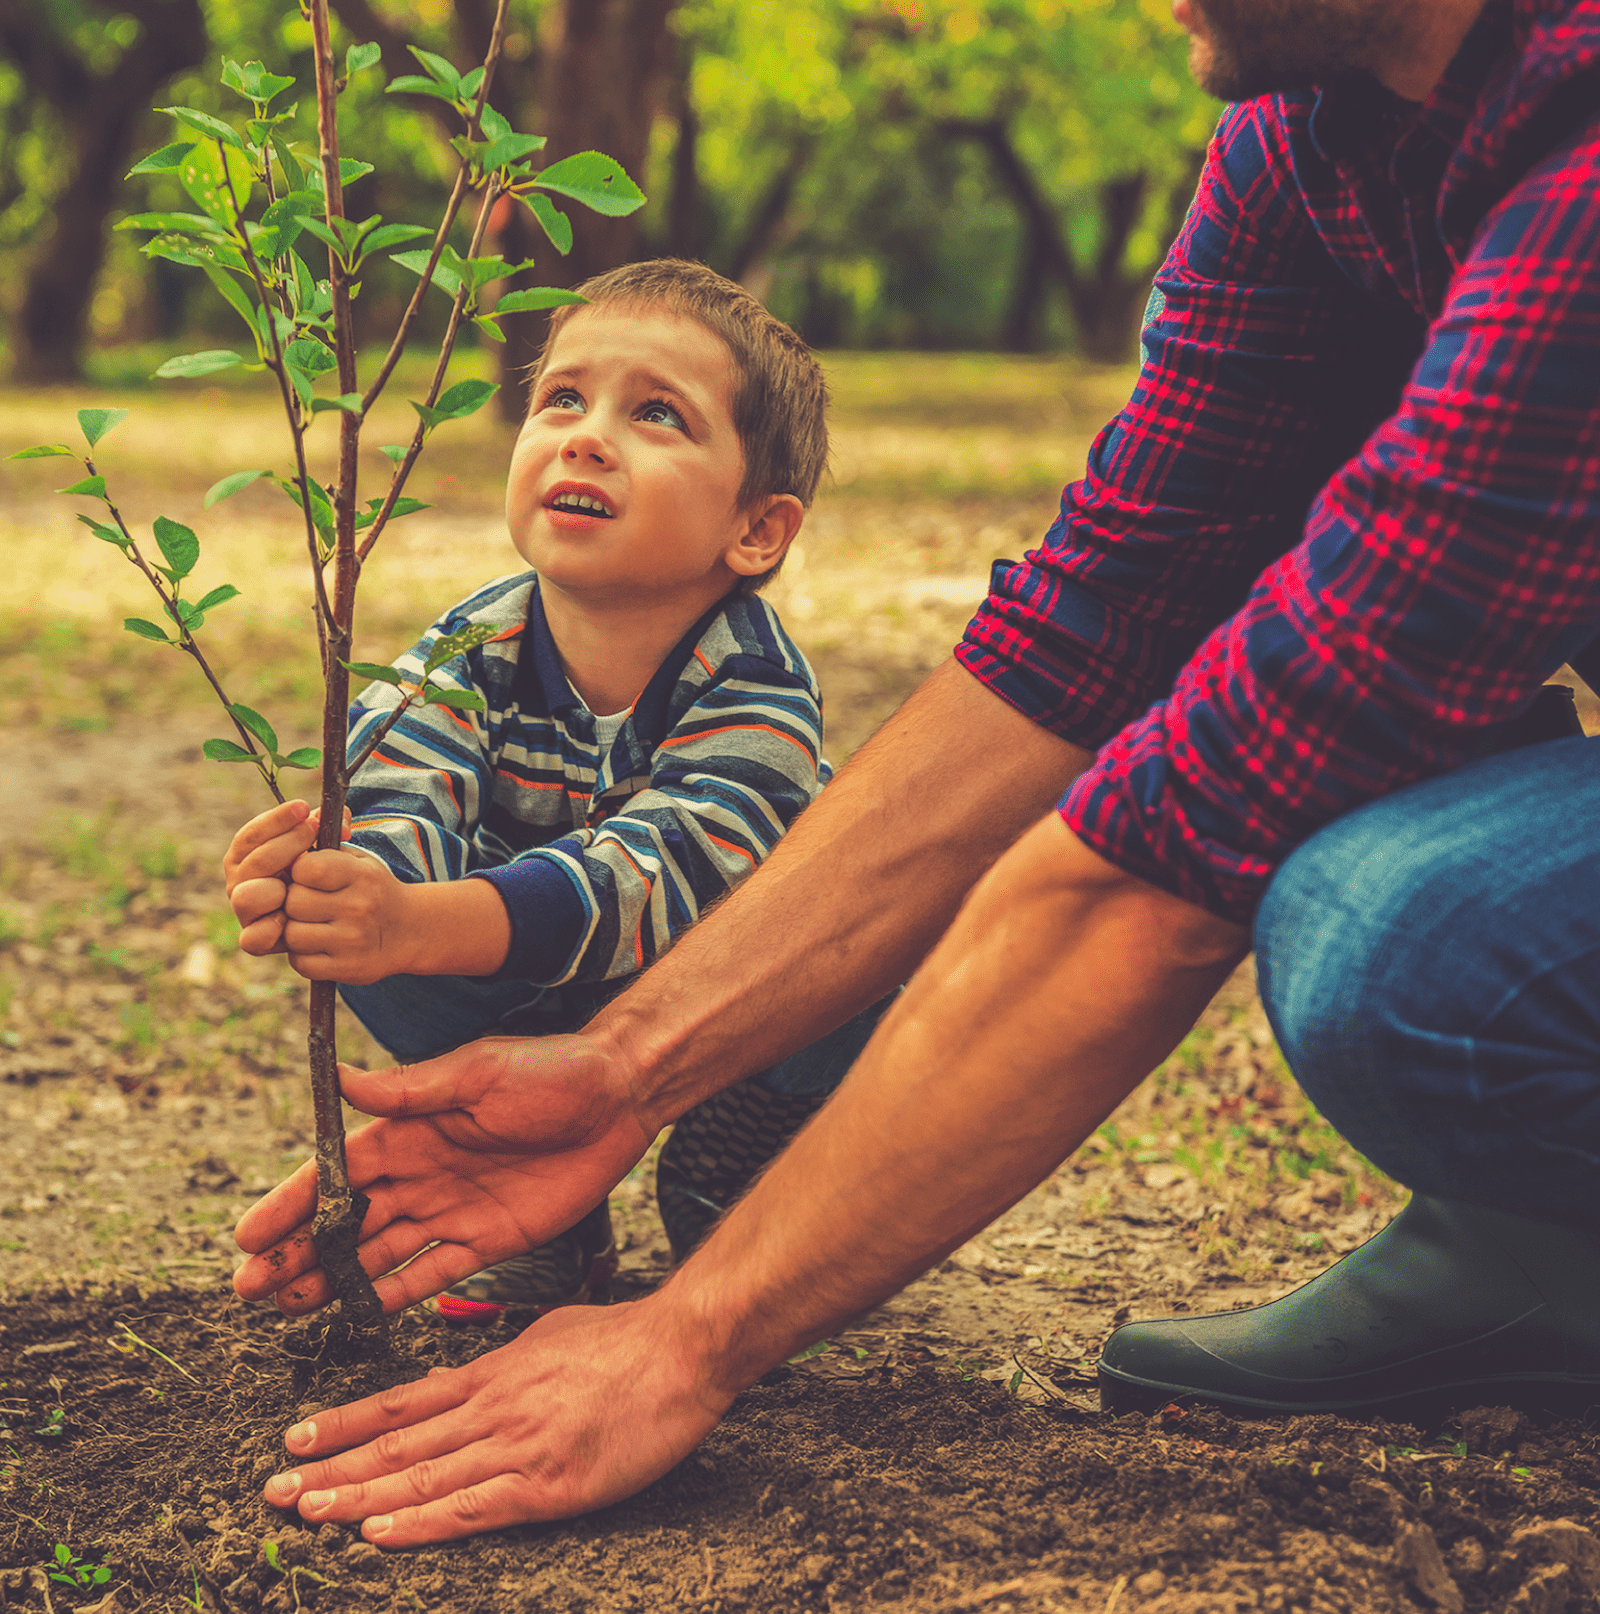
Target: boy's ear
{"x": 772, "y": 524}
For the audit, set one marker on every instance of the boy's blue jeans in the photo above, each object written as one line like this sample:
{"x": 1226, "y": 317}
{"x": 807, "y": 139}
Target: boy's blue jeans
{"x": 1431, "y": 965}
{"x": 419, "y": 1016}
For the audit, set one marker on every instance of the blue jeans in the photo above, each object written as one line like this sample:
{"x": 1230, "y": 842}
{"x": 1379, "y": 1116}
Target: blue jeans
{"x": 1430, "y": 963}
{"x": 420, "y": 1016}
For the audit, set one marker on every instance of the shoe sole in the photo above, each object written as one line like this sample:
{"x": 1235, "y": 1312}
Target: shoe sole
{"x": 1562, "y": 1396}
{"x": 482, "y": 1313}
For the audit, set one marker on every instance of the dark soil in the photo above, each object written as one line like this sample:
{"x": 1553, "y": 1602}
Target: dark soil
{"x": 840, "y": 1483}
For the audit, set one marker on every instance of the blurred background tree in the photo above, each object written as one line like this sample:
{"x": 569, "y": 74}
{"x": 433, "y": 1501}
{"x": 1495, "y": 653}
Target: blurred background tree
{"x": 883, "y": 173}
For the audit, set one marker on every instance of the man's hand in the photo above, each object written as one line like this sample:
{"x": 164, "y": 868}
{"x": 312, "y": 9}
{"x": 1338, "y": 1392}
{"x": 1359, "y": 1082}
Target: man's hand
{"x": 484, "y": 1153}
{"x": 584, "y": 1408}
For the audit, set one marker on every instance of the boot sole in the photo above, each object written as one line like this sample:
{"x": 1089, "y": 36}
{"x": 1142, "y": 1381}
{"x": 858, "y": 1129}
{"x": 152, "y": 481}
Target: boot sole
{"x": 1561, "y": 1396}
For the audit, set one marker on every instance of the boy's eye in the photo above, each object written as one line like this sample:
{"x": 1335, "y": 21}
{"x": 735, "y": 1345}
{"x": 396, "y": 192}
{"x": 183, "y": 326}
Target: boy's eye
{"x": 565, "y": 398}
{"x": 657, "y": 413}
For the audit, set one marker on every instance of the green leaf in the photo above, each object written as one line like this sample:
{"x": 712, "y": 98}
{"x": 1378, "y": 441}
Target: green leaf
{"x": 179, "y": 546}
{"x": 324, "y": 234}
{"x": 308, "y": 756}
{"x": 163, "y": 161}
{"x": 394, "y": 452}
{"x": 311, "y": 356}
{"x": 391, "y": 235}
{"x": 210, "y": 253}
{"x": 91, "y": 487}
{"x": 145, "y": 630}
{"x": 453, "y": 644}
{"x": 218, "y": 596}
{"x": 178, "y": 223}
{"x": 208, "y": 173}
{"x": 493, "y": 124}
{"x": 402, "y": 507}
{"x": 414, "y": 84}
{"x": 360, "y": 57}
{"x": 510, "y": 149}
{"x": 225, "y": 751}
{"x": 445, "y": 278}
{"x": 95, "y": 423}
{"x": 490, "y": 328}
{"x": 463, "y": 700}
{"x": 282, "y": 223}
{"x": 350, "y": 170}
{"x": 350, "y": 403}
{"x": 110, "y": 535}
{"x": 598, "y": 181}
{"x": 293, "y": 169}
{"x": 253, "y": 81}
{"x": 555, "y": 224}
{"x": 42, "y": 452}
{"x": 203, "y": 123}
{"x": 256, "y": 723}
{"x": 470, "y": 82}
{"x": 236, "y": 297}
{"x": 374, "y": 671}
{"x": 230, "y": 485}
{"x": 438, "y": 68}
{"x": 464, "y": 398}
{"x": 520, "y": 302}
{"x": 260, "y": 129}
{"x": 198, "y": 364}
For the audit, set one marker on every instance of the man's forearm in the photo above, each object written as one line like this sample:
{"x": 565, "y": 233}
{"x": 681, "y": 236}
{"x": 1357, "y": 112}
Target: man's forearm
{"x": 852, "y": 899}
{"x": 1060, "y": 985}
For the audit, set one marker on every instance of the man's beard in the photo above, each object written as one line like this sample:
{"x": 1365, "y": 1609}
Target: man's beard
{"x": 1247, "y": 48}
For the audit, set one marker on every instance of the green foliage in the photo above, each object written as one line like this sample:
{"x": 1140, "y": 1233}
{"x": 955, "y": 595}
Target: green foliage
{"x": 72, "y": 1571}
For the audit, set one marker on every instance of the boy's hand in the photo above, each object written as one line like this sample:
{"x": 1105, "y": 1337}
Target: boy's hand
{"x": 349, "y": 919}
{"x": 255, "y": 871}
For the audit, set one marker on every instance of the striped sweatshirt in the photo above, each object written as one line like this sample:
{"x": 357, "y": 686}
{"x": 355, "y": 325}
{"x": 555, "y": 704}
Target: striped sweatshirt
{"x": 602, "y": 859}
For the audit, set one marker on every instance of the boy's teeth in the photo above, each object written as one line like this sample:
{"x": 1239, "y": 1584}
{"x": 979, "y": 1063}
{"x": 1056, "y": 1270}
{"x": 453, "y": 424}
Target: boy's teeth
{"x": 581, "y": 501}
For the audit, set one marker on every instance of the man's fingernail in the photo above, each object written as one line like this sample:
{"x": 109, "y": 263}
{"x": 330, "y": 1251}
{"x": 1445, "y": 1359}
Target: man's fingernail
{"x": 282, "y": 1489}
{"x": 316, "y": 1501}
{"x": 379, "y": 1526}
{"x": 301, "y": 1434}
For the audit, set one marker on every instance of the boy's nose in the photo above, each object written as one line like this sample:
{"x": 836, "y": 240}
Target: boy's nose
{"x": 584, "y": 446}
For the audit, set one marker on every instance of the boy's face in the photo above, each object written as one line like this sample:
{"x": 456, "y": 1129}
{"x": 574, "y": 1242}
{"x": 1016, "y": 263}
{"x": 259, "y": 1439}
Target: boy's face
{"x": 625, "y": 478}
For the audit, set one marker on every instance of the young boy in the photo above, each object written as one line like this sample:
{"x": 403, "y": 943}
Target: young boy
{"x": 650, "y": 731}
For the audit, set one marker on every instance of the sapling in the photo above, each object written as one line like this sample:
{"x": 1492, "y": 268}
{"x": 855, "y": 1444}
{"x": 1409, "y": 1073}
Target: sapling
{"x": 300, "y": 331}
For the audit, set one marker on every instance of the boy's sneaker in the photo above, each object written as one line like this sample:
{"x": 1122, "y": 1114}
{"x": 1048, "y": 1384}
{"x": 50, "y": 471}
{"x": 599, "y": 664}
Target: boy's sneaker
{"x": 715, "y": 1152}
{"x": 571, "y": 1270}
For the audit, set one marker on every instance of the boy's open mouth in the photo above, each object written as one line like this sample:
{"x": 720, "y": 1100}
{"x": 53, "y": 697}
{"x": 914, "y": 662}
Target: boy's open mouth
{"x": 580, "y": 504}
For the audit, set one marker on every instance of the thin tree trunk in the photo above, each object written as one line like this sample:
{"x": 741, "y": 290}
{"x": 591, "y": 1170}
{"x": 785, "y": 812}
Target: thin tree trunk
{"x": 102, "y": 115}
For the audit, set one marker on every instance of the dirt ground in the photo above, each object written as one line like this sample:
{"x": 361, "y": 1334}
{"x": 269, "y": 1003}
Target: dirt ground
{"x": 947, "y": 1454}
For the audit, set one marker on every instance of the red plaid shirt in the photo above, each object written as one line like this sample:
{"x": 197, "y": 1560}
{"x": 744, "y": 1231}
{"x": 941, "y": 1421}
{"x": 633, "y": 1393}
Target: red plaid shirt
{"x": 1350, "y": 517}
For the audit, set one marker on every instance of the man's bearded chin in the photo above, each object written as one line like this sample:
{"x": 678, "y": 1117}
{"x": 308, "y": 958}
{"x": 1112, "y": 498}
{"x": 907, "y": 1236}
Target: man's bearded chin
{"x": 1244, "y": 48}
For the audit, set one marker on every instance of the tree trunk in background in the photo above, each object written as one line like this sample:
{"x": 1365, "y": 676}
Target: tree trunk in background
{"x": 685, "y": 223}
{"x": 606, "y": 65}
{"x": 1105, "y": 301}
{"x": 101, "y": 117}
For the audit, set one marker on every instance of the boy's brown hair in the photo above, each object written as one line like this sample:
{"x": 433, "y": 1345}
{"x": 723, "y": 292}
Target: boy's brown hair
{"x": 780, "y": 396}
